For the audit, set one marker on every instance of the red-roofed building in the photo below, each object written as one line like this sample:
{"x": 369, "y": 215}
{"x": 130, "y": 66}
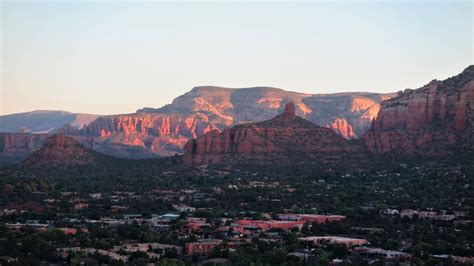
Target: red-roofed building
{"x": 69, "y": 231}
{"x": 202, "y": 248}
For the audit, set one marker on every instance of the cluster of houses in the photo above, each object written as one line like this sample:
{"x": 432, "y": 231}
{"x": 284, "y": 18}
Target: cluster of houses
{"x": 226, "y": 234}
{"x": 428, "y": 214}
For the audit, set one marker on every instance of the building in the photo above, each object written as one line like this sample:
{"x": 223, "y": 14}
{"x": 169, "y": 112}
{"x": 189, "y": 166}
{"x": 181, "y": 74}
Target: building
{"x": 184, "y": 208}
{"x": 410, "y": 213}
{"x": 386, "y": 254}
{"x": 267, "y": 225}
{"x": 311, "y": 218}
{"x": 322, "y": 240}
{"x": 202, "y": 247}
{"x": 68, "y": 230}
{"x": 81, "y": 206}
{"x": 206, "y": 246}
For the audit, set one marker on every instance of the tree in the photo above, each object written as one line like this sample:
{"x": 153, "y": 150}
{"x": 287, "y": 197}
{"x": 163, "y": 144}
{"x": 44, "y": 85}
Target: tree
{"x": 169, "y": 262}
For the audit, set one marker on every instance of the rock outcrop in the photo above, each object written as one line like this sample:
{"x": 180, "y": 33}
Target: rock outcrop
{"x": 432, "y": 121}
{"x": 164, "y": 131}
{"x": 226, "y": 107}
{"x": 15, "y": 147}
{"x": 156, "y": 134}
{"x": 60, "y": 150}
{"x": 283, "y": 136}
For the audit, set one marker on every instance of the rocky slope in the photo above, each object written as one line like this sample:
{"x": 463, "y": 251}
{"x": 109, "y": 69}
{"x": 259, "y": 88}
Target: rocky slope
{"x": 60, "y": 150}
{"x": 43, "y": 121}
{"x": 432, "y": 120}
{"x": 15, "y": 147}
{"x": 283, "y": 136}
{"x": 154, "y": 134}
{"x": 164, "y": 131}
{"x": 225, "y": 107}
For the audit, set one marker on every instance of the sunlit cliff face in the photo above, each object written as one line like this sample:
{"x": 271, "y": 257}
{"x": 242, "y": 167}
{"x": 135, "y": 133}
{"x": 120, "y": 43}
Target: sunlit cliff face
{"x": 164, "y": 131}
{"x": 427, "y": 120}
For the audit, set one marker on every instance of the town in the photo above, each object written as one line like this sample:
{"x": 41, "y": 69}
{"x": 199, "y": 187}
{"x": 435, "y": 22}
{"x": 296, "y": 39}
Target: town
{"x": 216, "y": 218}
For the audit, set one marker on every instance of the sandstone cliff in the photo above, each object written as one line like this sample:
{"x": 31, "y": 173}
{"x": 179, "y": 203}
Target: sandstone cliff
{"x": 286, "y": 135}
{"x": 164, "y": 131}
{"x": 432, "y": 120}
{"x": 157, "y": 134}
{"x": 225, "y": 107}
{"x": 15, "y": 147}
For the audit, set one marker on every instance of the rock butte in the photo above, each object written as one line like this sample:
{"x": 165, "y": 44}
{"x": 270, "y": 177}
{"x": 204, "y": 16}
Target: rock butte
{"x": 60, "y": 150}
{"x": 285, "y": 135}
{"x": 164, "y": 131}
{"x": 428, "y": 121}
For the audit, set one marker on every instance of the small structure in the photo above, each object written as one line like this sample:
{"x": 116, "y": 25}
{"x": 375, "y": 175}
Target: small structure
{"x": 348, "y": 242}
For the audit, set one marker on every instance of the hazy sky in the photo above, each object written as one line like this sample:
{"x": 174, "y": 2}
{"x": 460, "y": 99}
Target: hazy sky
{"x": 110, "y": 57}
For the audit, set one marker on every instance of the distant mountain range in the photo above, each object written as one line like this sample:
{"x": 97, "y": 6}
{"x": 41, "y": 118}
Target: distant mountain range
{"x": 427, "y": 121}
{"x": 434, "y": 121}
{"x": 162, "y": 132}
{"x": 43, "y": 121}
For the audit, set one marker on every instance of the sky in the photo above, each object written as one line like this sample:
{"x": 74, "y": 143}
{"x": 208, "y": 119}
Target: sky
{"x": 110, "y": 57}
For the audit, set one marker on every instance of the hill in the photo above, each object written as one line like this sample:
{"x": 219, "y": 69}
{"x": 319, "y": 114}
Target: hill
{"x": 42, "y": 121}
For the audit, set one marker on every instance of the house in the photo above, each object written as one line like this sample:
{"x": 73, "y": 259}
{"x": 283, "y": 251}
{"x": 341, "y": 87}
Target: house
{"x": 203, "y": 247}
{"x": 271, "y": 224}
{"x": 391, "y": 212}
{"x": 184, "y": 208}
{"x": 170, "y": 216}
{"x": 311, "y": 218}
{"x": 445, "y": 217}
{"x": 132, "y": 216}
{"x": 386, "y": 254}
{"x": 68, "y": 230}
{"x": 81, "y": 206}
{"x": 95, "y": 195}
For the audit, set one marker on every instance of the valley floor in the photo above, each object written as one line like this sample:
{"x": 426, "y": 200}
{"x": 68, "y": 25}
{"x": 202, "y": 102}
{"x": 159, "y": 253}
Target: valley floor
{"x": 152, "y": 211}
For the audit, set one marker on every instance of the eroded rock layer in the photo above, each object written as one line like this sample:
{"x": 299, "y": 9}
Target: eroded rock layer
{"x": 432, "y": 120}
{"x": 284, "y": 136}
{"x": 15, "y": 147}
{"x": 164, "y": 131}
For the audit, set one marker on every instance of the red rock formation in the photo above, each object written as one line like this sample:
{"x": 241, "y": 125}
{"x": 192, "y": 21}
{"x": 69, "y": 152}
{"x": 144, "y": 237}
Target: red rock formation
{"x": 164, "y": 131}
{"x": 429, "y": 121}
{"x": 15, "y": 147}
{"x": 342, "y": 127}
{"x": 60, "y": 150}
{"x": 285, "y": 135}
{"x": 348, "y": 115}
{"x": 157, "y": 133}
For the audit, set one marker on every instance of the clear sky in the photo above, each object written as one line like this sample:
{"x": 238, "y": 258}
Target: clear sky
{"x": 109, "y": 57}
